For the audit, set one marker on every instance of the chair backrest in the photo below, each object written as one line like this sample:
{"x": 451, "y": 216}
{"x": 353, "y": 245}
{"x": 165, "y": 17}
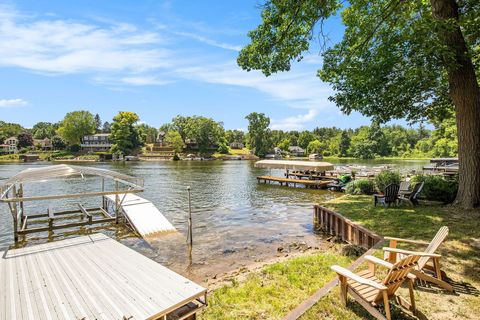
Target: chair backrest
{"x": 416, "y": 190}
{"x": 442, "y": 233}
{"x": 398, "y": 274}
{"x": 404, "y": 186}
{"x": 391, "y": 192}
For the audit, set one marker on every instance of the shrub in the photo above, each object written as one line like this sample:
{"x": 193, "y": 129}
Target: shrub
{"x": 437, "y": 188}
{"x": 361, "y": 186}
{"x": 74, "y": 148}
{"x": 386, "y": 177}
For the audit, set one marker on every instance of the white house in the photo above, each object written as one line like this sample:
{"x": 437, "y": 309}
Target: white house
{"x": 12, "y": 143}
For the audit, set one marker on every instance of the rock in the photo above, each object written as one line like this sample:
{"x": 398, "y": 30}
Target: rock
{"x": 352, "y": 250}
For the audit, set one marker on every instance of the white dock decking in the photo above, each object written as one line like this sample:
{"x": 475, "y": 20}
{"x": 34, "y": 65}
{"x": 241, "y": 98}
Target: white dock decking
{"x": 89, "y": 277}
{"x": 144, "y": 217}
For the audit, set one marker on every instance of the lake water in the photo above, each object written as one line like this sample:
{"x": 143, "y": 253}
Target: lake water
{"x": 235, "y": 220}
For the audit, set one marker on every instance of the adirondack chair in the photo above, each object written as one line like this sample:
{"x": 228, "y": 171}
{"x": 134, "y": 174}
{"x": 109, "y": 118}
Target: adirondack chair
{"x": 370, "y": 291}
{"x": 413, "y": 196}
{"x": 389, "y": 197}
{"x": 426, "y": 265}
{"x": 404, "y": 188}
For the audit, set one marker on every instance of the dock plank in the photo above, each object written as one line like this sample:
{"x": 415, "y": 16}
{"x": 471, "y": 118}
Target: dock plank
{"x": 287, "y": 181}
{"x": 90, "y": 277}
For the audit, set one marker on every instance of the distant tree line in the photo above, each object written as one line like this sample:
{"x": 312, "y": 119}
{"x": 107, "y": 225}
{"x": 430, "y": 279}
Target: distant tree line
{"x": 205, "y": 135}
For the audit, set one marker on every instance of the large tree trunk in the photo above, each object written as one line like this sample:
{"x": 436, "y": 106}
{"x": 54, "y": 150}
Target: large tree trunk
{"x": 465, "y": 94}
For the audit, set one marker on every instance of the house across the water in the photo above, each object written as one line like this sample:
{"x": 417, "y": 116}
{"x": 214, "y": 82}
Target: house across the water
{"x": 96, "y": 142}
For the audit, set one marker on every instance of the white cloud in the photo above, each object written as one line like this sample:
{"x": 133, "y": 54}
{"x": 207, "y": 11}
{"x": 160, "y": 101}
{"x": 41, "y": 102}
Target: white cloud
{"x": 295, "y": 122}
{"x": 12, "y": 103}
{"x": 64, "y": 46}
{"x": 209, "y": 41}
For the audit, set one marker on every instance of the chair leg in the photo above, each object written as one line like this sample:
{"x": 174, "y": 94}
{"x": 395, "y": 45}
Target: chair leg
{"x": 412, "y": 295}
{"x": 386, "y": 303}
{"x": 343, "y": 289}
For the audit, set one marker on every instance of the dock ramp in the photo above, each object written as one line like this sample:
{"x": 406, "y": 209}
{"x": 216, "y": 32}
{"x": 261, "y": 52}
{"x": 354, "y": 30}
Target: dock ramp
{"x": 143, "y": 216}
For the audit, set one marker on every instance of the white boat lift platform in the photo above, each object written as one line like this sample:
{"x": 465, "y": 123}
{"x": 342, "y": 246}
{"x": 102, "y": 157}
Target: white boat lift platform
{"x": 142, "y": 215}
{"x": 92, "y": 277}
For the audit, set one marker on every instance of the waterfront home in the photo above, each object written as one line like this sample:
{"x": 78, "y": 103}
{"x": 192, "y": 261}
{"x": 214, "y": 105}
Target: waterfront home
{"x": 236, "y": 145}
{"x": 43, "y": 144}
{"x": 296, "y": 151}
{"x": 96, "y": 142}
{"x": 12, "y": 143}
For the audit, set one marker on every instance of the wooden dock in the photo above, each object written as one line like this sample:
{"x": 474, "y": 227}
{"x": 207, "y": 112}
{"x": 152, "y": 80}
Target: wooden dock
{"x": 318, "y": 184}
{"x": 92, "y": 277}
{"x": 142, "y": 215}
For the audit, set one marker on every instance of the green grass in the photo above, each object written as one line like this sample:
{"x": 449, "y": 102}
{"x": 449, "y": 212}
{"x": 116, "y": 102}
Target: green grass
{"x": 279, "y": 288}
{"x": 461, "y": 260}
{"x": 273, "y": 292}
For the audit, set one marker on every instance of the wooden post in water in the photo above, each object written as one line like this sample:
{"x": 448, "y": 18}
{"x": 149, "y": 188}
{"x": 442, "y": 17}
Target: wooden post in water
{"x": 190, "y": 231}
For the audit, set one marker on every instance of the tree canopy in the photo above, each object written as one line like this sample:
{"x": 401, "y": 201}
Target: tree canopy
{"x": 75, "y": 125}
{"x": 397, "y": 59}
{"x": 125, "y": 135}
{"x": 259, "y": 133}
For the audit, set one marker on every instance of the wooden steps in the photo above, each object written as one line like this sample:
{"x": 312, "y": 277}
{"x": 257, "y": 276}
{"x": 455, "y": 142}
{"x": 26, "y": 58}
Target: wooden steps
{"x": 143, "y": 216}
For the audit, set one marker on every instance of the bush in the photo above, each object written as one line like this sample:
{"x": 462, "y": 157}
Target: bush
{"x": 386, "y": 177}
{"x": 74, "y": 148}
{"x": 437, "y": 188}
{"x": 361, "y": 186}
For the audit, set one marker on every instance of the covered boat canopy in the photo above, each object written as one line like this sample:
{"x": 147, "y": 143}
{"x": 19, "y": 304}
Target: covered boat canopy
{"x": 62, "y": 171}
{"x": 294, "y": 165}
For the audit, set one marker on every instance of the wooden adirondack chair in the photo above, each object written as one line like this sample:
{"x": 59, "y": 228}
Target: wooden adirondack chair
{"x": 404, "y": 188}
{"x": 425, "y": 265}
{"x": 413, "y": 196}
{"x": 389, "y": 197}
{"x": 370, "y": 292}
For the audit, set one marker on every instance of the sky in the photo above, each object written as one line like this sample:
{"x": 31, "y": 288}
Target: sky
{"x": 156, "y": 58}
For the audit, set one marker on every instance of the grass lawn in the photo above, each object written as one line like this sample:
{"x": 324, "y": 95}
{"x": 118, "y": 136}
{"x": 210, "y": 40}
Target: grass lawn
{"x": 278, "y": 288}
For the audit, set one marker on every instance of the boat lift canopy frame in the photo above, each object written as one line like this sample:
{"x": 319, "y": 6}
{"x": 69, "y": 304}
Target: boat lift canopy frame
{"x": 12, "y": 193}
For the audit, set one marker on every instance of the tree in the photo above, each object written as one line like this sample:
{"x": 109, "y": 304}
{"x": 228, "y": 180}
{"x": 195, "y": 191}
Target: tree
{"x": 284, "y": 145}
{"x": 75, "y": 125}
{"x": 8, "y": 130}
{"x": 258, "y": 133}
{"x": 173, "y": 139}
{"x": 126, "y": 136}
{"x": 205, "y": 132}
{"x": 305, "y": 138}
{"x": 25, "y": 139}
{"x": 58, "y": 143}
{"x": 315, "y": 146}
{"x": 397, "y": 59}
{"x": 149, "y": 132}
{"x": 235, "y": 136}
{"x": 344, "y": 144}
{"x": 98, "y": 123}
{"x": 106, "y": 128}
{"x": 42, "y": 130}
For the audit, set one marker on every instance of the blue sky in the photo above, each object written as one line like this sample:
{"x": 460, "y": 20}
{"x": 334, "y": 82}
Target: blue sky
{"x": 156, "y": 58}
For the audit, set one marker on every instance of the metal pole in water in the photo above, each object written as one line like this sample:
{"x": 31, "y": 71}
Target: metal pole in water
{"x": 190, "y": 232}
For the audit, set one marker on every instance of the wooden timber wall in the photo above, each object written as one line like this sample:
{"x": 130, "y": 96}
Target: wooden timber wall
{"x": 345, "y": 229}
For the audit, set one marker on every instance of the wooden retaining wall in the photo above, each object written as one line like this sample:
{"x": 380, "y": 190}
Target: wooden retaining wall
{"x": 337, "y": 225}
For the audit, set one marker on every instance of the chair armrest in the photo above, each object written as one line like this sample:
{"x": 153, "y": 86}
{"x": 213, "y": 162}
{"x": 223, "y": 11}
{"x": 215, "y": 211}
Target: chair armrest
{"x": 407, "y": 240}
{"x": 408, "y": 252}
{"x": 379, "y": 262}
{"x": 350, "y": 275}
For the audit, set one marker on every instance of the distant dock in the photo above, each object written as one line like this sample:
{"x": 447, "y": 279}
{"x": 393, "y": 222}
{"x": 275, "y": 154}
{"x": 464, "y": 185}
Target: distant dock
{"x": 316, "y": 184}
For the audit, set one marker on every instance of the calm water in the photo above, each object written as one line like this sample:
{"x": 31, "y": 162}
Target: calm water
{"x": 235, "y": 221}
